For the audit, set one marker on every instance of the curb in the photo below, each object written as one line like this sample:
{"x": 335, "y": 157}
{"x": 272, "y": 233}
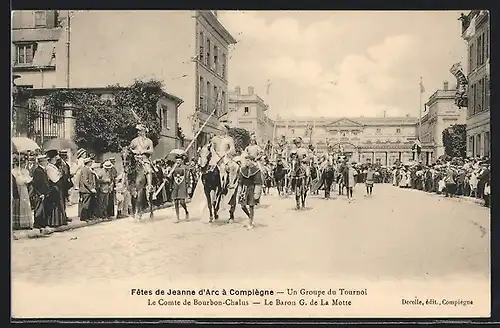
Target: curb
{"x": 464, "y": 199}
{"x": 36, "y": 233}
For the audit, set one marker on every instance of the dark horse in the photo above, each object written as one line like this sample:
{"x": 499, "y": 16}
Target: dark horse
{"x": 136, "y": 182}
{"x": 299, "y": 182}
{"x": 211, "y": 179}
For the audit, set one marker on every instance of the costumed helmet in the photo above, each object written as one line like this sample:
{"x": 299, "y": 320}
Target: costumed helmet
{"x": 297, "y": 140}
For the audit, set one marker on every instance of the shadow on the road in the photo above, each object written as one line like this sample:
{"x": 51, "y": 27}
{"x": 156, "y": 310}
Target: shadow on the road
{"x": 308, "y": 208}
{"x": 262, "y": 206}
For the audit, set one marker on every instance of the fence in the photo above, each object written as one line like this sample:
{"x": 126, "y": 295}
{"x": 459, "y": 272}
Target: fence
{"x": 36, "y": 123}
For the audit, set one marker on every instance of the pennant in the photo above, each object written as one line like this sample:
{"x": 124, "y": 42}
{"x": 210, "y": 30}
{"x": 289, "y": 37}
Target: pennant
{"x": 422, "y": 88}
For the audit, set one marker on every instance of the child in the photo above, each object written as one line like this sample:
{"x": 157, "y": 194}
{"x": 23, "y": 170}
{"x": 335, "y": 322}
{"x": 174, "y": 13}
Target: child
{"x": 487, "y": 193}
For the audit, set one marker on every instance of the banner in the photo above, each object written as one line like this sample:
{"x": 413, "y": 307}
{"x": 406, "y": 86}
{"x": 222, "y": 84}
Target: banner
{"x": 462, "y": 85}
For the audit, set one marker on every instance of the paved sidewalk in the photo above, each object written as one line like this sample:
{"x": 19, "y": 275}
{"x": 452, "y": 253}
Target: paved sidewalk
{"x": 72, "y": 212}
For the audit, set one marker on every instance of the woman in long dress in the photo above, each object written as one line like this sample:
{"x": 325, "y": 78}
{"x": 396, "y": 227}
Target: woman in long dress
{"x": 22, "y": 219}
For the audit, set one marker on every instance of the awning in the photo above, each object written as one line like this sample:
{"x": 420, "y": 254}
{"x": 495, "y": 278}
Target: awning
{"x": 44, "y": 55}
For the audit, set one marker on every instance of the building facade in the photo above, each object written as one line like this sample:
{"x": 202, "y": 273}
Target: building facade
{"x": 381, "y": 140}
{"x": 187, "y": 50}
{"x": 440, "y": 114}
{"x": 476, "y": 32}
{"x": 249, "y": 111}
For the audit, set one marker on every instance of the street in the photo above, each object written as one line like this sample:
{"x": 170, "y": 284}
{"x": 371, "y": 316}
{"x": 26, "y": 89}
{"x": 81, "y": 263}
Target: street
{"x": 393, "y": 235}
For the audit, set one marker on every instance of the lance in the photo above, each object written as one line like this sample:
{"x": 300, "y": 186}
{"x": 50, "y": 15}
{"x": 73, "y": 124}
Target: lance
{"x": 190, "y": 144}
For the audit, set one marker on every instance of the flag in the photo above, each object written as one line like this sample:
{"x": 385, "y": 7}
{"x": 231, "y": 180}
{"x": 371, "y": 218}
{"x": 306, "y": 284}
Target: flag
{"x": 417, "y": 146}
{"x": 268, "y": 86}
{"x": 422, "y": 88}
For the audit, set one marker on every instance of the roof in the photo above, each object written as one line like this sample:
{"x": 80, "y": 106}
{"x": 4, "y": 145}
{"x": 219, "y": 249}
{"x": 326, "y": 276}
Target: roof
{"x": 33, "y": 35}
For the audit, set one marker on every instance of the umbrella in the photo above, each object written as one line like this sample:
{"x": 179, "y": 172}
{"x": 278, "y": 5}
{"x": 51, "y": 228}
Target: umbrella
{"x": 59, "y": 144}
{"x": 23, "y": 145}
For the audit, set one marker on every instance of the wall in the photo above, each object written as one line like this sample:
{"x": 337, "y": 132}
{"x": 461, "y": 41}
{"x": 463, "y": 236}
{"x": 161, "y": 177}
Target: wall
{"x": 168, "y": 140}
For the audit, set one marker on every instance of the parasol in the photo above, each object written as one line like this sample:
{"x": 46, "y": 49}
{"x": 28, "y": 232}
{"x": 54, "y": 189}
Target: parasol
{"x": 23, "y": 145}
{"x": 59, "y": 144}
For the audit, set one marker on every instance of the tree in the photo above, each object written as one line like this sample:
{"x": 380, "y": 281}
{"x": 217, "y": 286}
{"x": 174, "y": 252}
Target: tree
{"x": 142, "y": 98}
{"x": 455, "y": 140}
{"x": 103, "y": 126}
{"x": 241, "y": 138}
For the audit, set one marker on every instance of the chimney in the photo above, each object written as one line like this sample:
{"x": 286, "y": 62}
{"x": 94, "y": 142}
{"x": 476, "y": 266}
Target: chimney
{"x": 237, "y": 89}
{"x": 445, "y": 85}
{"x": 250, "y": 90}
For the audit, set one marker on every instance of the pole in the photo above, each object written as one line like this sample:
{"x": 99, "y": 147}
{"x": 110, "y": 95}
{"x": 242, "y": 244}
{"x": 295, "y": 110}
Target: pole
{"x": 191, "y": 143}
{"x": 68, "y": 36}
{"x": 420, "y": 116}
{"x": 274, "y": 140}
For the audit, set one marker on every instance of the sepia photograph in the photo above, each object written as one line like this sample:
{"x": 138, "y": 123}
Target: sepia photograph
{"x": 245, "y": 164}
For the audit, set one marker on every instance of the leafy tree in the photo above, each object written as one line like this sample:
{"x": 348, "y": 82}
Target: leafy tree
{"x": 241, "y": 138}
{"x": 142, "y": 98}
{"x": 455, "y": 140}
{"x": 103, "y": 126}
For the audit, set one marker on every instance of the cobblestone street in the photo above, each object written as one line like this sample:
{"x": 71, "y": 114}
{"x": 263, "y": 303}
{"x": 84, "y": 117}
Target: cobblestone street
{"x": 394, "y": 234}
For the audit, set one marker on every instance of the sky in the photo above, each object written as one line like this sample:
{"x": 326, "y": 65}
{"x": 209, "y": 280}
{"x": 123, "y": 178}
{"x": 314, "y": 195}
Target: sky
{"x": 343, "y": 63}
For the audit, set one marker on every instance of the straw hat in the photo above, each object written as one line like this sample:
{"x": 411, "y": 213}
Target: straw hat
{"x": 107, "y": 165}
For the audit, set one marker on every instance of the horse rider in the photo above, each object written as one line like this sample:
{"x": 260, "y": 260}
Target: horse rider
{"x": 223, "y": 150}
{"x": 142, "y": 147}
{"x": 301, "y": 151}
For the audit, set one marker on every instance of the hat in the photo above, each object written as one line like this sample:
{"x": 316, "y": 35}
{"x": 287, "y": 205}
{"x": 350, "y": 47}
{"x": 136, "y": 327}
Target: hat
{"x": 107, "y": 165}
{"x": 87, "y": 160}
{"x": 179, "y": 156}
{"x": 52, "y": 153}
{"x": 41, "y": 158}
{"x": 140, "y": 127}
{"x": 80, "y": 152}
{"x": 111, "y": 159}
{"x": 298, "y": 139}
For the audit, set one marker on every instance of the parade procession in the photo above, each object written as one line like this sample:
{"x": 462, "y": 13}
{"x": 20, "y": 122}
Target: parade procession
{"x": 133, "y": 158}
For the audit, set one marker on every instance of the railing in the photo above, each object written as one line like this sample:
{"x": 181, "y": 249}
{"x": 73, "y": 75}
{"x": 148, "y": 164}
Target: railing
{"x": 38, "y": 124}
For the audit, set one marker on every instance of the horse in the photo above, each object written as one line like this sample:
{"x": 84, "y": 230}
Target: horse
{"x": 299, "y": 182}
{"x": 211, "y": 179}
{"x": 136, "y": 182}
{"x": 327, "y": 178}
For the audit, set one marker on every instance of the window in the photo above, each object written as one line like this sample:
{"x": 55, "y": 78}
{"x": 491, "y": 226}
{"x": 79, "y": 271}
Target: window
{"x": 216, "y": 60}
{"x": 40, "y": 18}
{"x": 165, "y": 122}
{"x": 487, "y": 44}
{"x": 202, "y": 49}
{"x": 223, "y": 103}
{"x": 247, "y": 111}
{"x": 209, "y": 45}
{"x": 224, "y": 59}
{"x": 25, "y": 53}
{"x": 209, "y": 98}
{"x": 480, "y": 96}
{"x": 486, "y": 93}
{"x": 478, "y": 145}
{"x": 478, "y": 51}
{"x": 487, "y": 144}
{"x": 216, "y": 101}
{"x": 201, "y": 91}
{"x": 471, "y": 145}
{"x": 398, "y": 131}
{"x": 474, "y": 104}
{"x": 378, "y": 130}
{"x": 471, "y": 51}
{"x": 378, "y": 160}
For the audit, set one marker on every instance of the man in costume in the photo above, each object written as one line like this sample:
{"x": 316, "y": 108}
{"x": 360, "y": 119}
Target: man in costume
{"x": 299, "y": 149}
{"x": 180, "y": 186}
{"x": 142, "y": 147}
{"x": 249, "y": 189}
{"x": 253, "y": 150}
{"x": 223, "y": 150}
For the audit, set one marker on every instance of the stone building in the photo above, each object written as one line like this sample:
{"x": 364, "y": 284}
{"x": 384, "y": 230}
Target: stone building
{"x": 440, "y": 114}
{"x": 364, "y": 139}
{"x": 187, "y": 50}
{"x": 476, "y": 31}
{"x": 249, "y": 111}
